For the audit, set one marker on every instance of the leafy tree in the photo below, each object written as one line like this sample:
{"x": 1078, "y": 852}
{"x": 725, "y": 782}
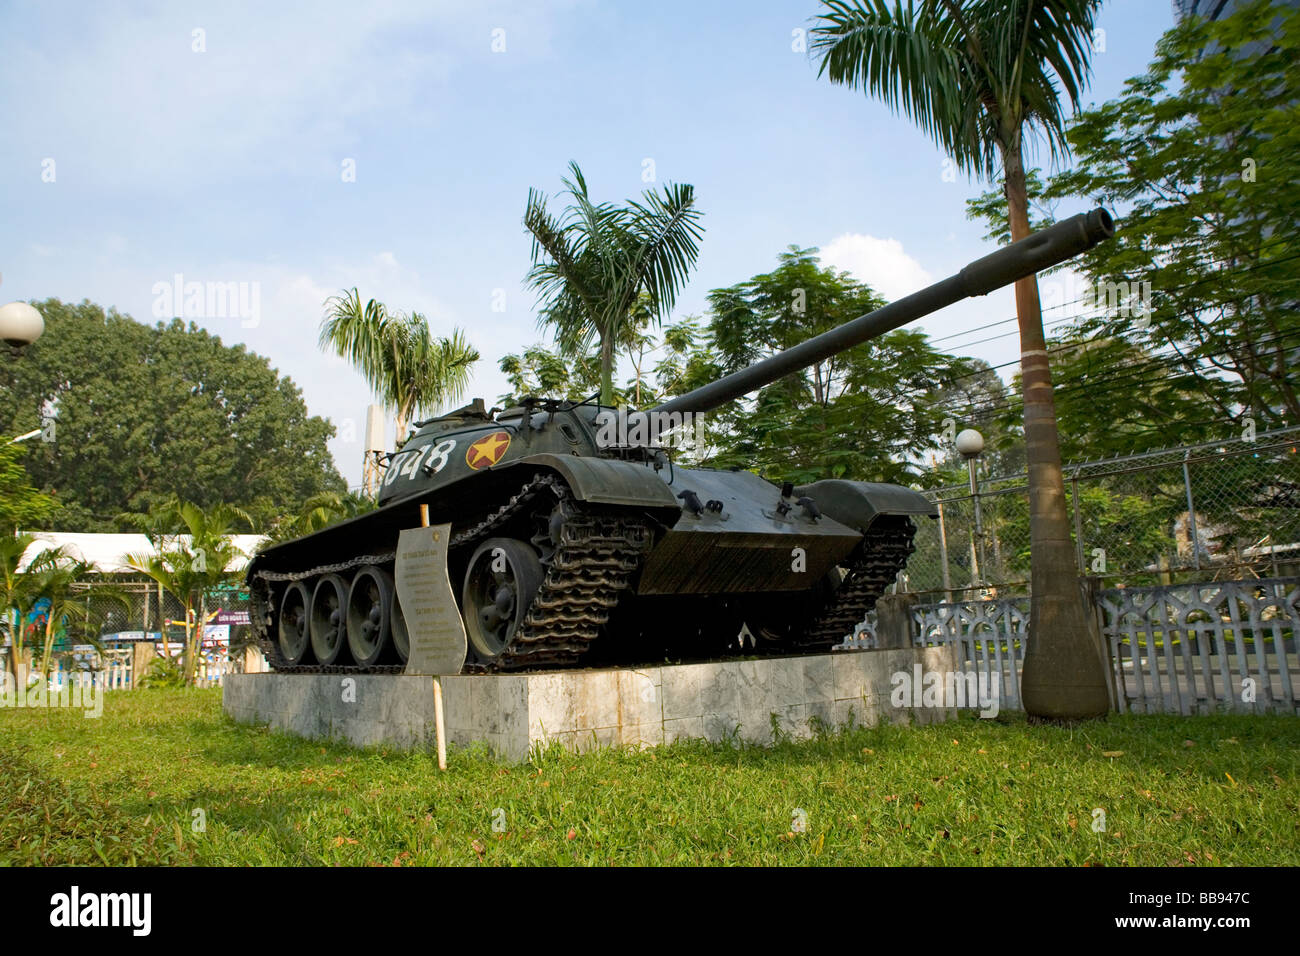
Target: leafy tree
{"x": 18, "y": 594}
{"x": 976, "y": 75}
{"x": 188, "y": 566}
{"x": 21, "y": 505}
{"x": 408, "y": 367}
{"x": 865, "y": 413}
{"x": 66, "y": 611}
{"x": 542, "y": 372}
{"x": 594, "y": 262}
{"x": 318, "y": 512}
{"x": 1199, "y": 156}
{"x": 1114, "y": 398}
{"x": 141, "y": 413}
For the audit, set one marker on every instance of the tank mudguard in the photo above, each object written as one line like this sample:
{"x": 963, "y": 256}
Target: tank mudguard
{"x": 605, "y": 481}
{"x": 857, "y": 503}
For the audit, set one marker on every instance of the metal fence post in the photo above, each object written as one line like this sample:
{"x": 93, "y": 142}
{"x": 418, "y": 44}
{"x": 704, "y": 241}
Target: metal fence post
{"x": 943, "y": 552}
{"x": 1191, "y": 513}
{"x": 1078, "y": 520}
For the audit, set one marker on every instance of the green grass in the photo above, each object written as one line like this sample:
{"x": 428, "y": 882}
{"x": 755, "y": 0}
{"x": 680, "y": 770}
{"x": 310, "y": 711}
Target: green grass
{"x": 124, "y": 788}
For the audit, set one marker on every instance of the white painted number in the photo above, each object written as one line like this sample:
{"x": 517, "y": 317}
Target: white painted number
{"x": 440, "y": 456}
{"x": 408, "y": 463}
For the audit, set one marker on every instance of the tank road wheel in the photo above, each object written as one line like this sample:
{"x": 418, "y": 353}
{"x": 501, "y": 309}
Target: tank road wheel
{"x": 401, "y": 635}
{"x": 370, "y": 604}
{"x": 327, "y": 624}
{"x": 500, "y": 584}
{"x": 291, "y": 631}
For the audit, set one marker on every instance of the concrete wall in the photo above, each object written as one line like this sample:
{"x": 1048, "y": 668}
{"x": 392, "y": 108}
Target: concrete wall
{"x": 585, "y": 709}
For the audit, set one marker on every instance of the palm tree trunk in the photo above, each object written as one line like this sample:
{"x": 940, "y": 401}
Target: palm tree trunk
{"x": 16, "y": 647}
{"x": 1064, "y": 678}
{"x": 49, "y": 637}
{"x": 607, "y": 370}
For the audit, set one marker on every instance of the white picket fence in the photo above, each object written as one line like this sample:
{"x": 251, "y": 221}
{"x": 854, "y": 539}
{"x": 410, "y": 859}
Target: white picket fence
{"x": 116, "y": 675}
{"x": 990, "y": 639}
{"x": 1197, "y": 648}
{"x": 1183, "y": 649}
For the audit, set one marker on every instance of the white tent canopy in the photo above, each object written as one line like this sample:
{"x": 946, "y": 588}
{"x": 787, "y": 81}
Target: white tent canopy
{"x": 107, "y": 552}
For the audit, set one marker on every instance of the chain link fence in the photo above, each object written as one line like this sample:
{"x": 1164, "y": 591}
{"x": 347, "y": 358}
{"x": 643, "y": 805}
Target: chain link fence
{"x": 123, "y": 613}
{"x": 1217, "y": 511}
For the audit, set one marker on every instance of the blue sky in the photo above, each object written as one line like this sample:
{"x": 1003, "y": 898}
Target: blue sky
{"x": 227, "y": 164}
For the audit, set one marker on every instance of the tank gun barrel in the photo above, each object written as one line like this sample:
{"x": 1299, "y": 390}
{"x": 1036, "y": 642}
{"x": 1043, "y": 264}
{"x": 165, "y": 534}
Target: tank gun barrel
{"x": 1041, "y": 250}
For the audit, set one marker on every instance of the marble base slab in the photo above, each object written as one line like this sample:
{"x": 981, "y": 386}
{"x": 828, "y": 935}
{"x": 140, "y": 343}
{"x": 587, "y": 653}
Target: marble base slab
{"x": 742, "y": 700}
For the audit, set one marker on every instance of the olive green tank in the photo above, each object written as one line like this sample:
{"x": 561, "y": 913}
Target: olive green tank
{"x": 578, "y": 541}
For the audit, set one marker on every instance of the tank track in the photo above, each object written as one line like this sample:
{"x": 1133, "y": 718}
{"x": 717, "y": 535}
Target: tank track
{"x": 594, "y": 561}
{"x": 878, "y": 559}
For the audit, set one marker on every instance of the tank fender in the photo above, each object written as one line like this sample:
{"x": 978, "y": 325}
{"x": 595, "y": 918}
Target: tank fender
{"x": 857, "y": 503}
{"x": 606, "y": 481}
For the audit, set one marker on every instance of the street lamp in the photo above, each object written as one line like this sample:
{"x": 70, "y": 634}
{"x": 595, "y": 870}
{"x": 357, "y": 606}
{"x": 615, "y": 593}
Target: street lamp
{"x": 970, "y": 444}
{"x": 20, "y": 325}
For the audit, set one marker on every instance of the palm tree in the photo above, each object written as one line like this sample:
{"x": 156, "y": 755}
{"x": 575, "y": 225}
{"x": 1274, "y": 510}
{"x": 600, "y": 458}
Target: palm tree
{"x": 408, "y": 368}
{"x": 592, "y": 263}
{"x": 317, "y": 512}
{"x": 975, "y": 75}
{"x": 189, "y": 566}
{"x": 64, "y": 607}
{"x": 17, "y": 594}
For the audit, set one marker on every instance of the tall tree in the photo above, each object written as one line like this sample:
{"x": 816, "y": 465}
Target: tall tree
{"x": 865, "y": 413}
{"x": 67, "y": 613}
{"x": 976, "y": 75}
{"x": 18, "y": 594}
{"x": 133, "y": 414}
{"x": 1198, "y": 156}
{"x": 408, "y": 367}
{"x": 21, "y": 505}
{"x": 188, "y": 566}
{"x": 594, "y": 261}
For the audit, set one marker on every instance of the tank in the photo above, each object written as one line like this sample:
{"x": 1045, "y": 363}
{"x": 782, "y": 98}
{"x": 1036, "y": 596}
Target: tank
{"x": 578, "y": 541}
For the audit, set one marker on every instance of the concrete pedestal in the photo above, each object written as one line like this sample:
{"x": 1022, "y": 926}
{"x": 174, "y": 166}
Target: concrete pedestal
{"x": 594, "y": 708}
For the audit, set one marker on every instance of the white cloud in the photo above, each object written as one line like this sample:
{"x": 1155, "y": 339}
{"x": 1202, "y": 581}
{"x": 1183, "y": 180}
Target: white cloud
{"x": 881, "y": 263}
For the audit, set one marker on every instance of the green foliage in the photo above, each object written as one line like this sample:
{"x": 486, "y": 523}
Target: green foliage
{"x": 21, "y": 505}
{"x": 867, "y": 413}
{"x": 1113, "y": 397}
{"x": 318, "y": 512}
{"x": 1213, "y": 790}
{"x": 164, "y": 673}
{"x": 972, "y": 75}
{"x": 542, "y": 373}
{"x": 409, "y": 369}
{"x": 596, "y": 264}
{"x": 1198, "y": 156}
{"x": 188, "y": 566}
{"x": 142, "y": 413}
{"x": 67, "y": 617}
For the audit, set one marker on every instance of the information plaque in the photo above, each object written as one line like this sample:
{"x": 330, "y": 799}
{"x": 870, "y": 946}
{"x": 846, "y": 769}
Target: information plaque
{"x": 424, "y": 590}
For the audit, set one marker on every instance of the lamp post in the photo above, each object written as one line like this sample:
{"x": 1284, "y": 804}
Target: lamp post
{"x": 970, "y": 444}
{"x": 20, "y": 325}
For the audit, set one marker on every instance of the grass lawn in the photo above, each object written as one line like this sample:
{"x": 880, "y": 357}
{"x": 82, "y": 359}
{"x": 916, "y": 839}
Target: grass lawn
{"x": 131, "y": 786}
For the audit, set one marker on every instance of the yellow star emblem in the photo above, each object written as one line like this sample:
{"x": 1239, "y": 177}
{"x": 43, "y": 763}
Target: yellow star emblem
{"x": 487, "y": 450}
